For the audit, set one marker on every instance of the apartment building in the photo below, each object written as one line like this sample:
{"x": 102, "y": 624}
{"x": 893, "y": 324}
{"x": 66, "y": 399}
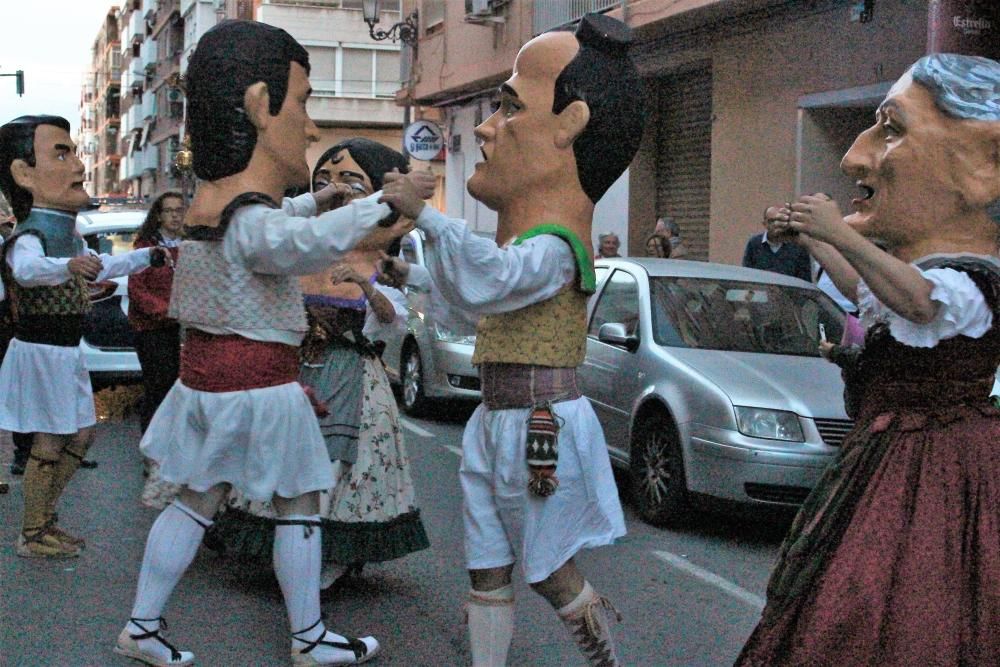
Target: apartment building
{"x": 103, "y": 108}
{"x": 86, "y": 137}
{"x": 752, "y": 101}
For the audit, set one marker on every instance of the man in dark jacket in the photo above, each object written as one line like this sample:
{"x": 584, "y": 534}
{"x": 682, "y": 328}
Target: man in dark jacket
{"x": 776, "y": 250}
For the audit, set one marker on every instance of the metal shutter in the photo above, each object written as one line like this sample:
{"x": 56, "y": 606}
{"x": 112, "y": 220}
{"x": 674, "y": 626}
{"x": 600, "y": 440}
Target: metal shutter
{"x": 684, "y": 155}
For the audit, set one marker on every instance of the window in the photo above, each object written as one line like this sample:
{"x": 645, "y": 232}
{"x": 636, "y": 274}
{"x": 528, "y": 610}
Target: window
{"x": 741, "y": 316}
{"x": 386, "y": 73}
{"x": 323, "y": 63}
{"x": 432, "y": 15}
{"x": 357, "y": 75}
{"x": 619, "y": 302}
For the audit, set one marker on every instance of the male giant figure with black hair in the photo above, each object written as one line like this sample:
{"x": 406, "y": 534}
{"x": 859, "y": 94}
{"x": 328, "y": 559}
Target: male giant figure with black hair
{"x": 236, "y": 416}
{"x": 44, "y": 386}
{"x": 535, "y": 473}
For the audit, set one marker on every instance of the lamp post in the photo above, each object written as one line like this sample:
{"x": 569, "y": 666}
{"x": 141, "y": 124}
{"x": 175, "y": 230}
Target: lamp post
{"x": 404, "y": 31}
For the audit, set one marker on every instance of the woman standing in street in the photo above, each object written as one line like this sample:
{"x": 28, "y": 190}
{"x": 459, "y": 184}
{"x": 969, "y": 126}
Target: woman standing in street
{"x": 894, "y": 558}
{"x": 157, "y": 337}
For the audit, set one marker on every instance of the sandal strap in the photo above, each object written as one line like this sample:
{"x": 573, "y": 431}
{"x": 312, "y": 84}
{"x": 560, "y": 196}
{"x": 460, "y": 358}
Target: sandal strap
{"x": 358, "y": 647}
{"x": 146, "y": 633}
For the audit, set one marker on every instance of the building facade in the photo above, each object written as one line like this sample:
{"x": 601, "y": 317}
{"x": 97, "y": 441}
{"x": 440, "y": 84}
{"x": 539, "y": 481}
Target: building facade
{"x": 102, "y": 112}
{"x": 752, "y": 102}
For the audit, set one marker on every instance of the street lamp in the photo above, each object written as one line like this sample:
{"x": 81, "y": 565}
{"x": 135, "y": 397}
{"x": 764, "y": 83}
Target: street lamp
{"x": 405, "y": 31}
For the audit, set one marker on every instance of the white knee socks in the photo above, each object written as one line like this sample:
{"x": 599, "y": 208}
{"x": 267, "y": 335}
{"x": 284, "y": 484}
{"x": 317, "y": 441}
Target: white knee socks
{"x": 297, "y": 563}
{"x": 491, "y": 625}
{"x": 171, "y": 546}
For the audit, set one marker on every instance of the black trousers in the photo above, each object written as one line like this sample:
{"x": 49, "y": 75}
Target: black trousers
{"x": 159, "y": 352}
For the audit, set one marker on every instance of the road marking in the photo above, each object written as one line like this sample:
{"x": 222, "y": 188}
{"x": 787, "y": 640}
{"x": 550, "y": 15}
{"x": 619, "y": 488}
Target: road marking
{"x": 457, "y": 451}
{"x": 708, "y": 577}
{"x": 410, "y": 426}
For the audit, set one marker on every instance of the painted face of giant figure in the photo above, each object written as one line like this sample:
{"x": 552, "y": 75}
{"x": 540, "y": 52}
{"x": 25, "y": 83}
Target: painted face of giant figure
{"x": 929, "y": 163}
{"x": 40, "y": 165}
{"x": 570, "y": 116}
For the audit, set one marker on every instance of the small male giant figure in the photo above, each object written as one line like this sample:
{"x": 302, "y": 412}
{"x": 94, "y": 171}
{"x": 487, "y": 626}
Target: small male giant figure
{"x": 535, "y": 473}
{"x": 44, "y": 385}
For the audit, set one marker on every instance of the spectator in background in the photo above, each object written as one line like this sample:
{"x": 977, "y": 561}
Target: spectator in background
{"x": 608, "y": 244}
{"x": 22, "y": 441}
{"x": 668, "y": 228}
{"x": 658, "y": 246}
{"x": 775, "y": 249}
{"x": 157, "y": 337}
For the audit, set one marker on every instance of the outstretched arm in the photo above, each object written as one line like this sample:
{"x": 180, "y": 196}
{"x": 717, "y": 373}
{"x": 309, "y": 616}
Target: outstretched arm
{"x": 898, "y": 285}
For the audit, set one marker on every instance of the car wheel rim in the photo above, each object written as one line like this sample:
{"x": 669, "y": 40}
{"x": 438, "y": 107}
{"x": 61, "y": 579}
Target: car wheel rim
{"x": 411, "y": 381}
{"x": 655, "y": 475}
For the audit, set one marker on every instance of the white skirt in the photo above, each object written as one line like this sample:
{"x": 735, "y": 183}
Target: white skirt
{"x": 262, "y": 441}
{"x": 503, "y": 520}
{"x": 45, "y": 389}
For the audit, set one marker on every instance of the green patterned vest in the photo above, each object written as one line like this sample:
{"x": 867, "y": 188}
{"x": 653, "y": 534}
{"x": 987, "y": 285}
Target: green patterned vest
{"x": 548, "y": 333}
{"x": 48, "y": 314}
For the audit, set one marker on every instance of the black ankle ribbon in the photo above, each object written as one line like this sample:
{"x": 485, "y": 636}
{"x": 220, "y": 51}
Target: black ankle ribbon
{"x": 175, "y": 655}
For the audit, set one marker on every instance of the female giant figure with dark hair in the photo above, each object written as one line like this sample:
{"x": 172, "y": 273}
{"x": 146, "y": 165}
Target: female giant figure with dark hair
{"x": 895, "y": 557}
{"x": 157, "y": 336}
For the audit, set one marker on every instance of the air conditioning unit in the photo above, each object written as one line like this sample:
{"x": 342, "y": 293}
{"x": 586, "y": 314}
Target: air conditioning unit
{"x": 483, "y": 11}
{"x": 478, "y": 8}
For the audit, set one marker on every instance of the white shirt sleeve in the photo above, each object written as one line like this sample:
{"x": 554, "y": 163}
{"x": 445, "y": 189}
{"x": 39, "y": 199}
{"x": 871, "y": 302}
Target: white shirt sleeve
{"x": 31, "y": 268}
{"x": 376, "y": 329}
{"x": 124, "y": 264}
{"x": 962, "y": 310}
{"x": 478, "y": 277}
{"x": 272, "y": 241}
{"x": 303, "y": 206}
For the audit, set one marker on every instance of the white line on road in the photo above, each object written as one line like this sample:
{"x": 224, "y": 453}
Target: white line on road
{"x": 457, "y": 451}
{"x": 710, "y": 578}
{"x": 410, "y": 426}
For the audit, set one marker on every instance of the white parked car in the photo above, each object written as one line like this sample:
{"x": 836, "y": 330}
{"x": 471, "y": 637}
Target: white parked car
{"x": 107, "y": 337}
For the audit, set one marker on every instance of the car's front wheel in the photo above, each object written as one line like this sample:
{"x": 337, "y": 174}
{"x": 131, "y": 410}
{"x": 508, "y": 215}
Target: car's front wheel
{"x": 656, "y": 471}
{"x": 414, "y": 400}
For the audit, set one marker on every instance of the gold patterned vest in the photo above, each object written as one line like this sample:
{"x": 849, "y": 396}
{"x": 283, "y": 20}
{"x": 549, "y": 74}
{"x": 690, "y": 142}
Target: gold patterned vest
{"x": 548, "y": 333}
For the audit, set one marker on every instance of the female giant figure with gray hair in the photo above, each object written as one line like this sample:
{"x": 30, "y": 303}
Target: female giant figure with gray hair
{"x": 895, "y": 557}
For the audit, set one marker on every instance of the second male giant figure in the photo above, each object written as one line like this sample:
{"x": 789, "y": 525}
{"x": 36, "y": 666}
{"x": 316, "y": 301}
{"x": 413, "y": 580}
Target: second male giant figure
{"x": 569, "y": 123}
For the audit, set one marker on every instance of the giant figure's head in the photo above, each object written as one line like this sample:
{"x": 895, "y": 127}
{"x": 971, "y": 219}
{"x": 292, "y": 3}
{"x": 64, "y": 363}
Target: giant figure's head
{"x": 362, "y": 164}
{"x": 39, "y": 166}
{"x": 574, "y": 107}
{"x": 932, "y": 158}
{"x": 247, "y": 86}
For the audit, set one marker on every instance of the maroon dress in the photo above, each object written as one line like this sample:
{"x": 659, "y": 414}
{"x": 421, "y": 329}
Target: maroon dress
{"x": 895, "y": 557}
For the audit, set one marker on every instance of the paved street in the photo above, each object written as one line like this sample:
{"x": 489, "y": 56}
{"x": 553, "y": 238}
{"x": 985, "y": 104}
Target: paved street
{"x": 688, "y": 597}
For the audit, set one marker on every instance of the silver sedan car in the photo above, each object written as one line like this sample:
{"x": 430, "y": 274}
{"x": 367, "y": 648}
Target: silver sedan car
{"x": 428, "y": 361}
{"x": 707, "y": 380}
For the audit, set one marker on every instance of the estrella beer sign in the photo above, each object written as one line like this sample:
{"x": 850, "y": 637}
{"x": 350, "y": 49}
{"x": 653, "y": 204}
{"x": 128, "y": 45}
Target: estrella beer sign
{"x": 423, "y": 140}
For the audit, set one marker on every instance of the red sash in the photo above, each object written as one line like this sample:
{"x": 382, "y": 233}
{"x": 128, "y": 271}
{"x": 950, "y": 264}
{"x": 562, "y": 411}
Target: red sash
{"x": 234, "y": 363}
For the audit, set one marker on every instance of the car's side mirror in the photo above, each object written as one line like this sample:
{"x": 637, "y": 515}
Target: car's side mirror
{"x": 614, "y": 333}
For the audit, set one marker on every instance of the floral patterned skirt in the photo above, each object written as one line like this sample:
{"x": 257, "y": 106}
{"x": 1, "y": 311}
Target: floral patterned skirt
{"x": 370, "y": 515}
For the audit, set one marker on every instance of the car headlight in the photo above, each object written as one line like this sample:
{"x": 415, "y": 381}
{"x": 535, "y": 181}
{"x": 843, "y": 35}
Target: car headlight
{"x": 444, "y": 335}
{"x": 771, "y": 424}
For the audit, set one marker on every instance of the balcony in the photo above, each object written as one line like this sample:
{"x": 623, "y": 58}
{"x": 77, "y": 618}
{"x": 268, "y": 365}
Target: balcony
{"x": 148, "y": 105}
{"x": 551, "y": 13}
{"x": 150, "y": 158}
{"x": 147, "y": 52}
{"x": 136, "y": 28}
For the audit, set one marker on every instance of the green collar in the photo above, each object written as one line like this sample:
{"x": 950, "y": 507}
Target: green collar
{"x": 588, "y": 279}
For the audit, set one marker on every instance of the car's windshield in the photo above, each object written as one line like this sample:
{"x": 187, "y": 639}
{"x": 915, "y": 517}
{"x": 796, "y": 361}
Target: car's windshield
{"x": 741, "y": 316}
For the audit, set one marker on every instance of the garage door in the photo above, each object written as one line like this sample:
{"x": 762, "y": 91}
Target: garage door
{"x": 684, "y": 155}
